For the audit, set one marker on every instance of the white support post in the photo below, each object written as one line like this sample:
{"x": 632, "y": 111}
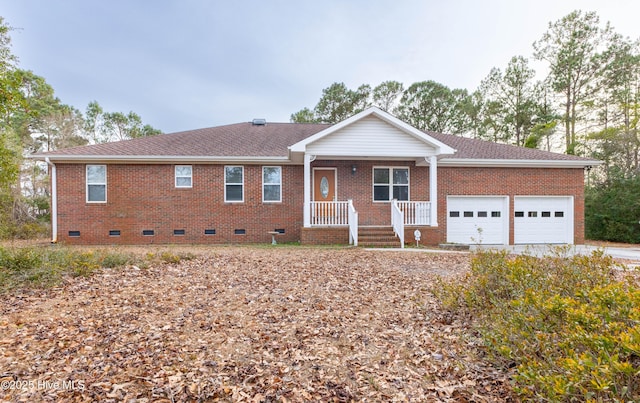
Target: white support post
{"x": 433, "y": 189}
{"x": 307, "y": 190}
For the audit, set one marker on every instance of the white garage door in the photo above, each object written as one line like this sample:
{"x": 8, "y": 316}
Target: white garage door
{"x": 478, "y": 220}
{"x": 539, "y": 219}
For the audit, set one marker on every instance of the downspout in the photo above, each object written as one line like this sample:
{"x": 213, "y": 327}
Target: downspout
{"x": 54, "y": 202}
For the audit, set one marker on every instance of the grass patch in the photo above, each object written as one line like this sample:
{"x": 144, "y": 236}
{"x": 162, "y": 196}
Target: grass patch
{"x": 169, "y": 256}
{"x": 567, "y": 325}
{"x": 37, "y": 267}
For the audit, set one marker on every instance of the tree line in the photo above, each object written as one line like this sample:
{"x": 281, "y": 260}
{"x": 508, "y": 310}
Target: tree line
{"x": 587, "y": 103}
{"x": 33, "y": 119}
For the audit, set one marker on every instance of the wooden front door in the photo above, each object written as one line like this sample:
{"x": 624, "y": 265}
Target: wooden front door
{"x": 324, "y": 185}
{"x": 324, "y": 194}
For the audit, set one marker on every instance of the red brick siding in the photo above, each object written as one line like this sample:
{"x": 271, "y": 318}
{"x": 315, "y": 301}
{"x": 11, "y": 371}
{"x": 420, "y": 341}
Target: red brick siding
{"x": 325, "y": 236}
{"x": 141, "y": 197}
{"x": 428, "y": 235}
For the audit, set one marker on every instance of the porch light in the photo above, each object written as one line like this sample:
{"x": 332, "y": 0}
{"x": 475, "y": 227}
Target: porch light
{"x": 354, "y": 168}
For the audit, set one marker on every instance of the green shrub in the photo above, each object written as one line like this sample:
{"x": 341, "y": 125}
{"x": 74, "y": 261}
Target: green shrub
{"x": 83, "y": 264}
{"x": 566, "y": 324}
{"x": 115, "y": 259}
{"x": 612, "y": 210}
{"x": 20, "y": 260}
{"x": 170, "y": 257}
{"x": 45, "y": 266}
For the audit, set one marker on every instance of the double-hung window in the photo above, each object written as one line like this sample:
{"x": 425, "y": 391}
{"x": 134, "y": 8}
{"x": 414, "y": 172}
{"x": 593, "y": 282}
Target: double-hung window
{"x": 271, "y": 184}
{"x": 96, "y": 183}
{"x": 390, "y": 183}
{"x": 233, "y": 183}
{"x": 184, "y": 176}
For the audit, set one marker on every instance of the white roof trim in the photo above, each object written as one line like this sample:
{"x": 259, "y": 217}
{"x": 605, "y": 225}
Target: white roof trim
{"x": 469, "y": 162}
{"x": 160, "y": 158}
{"x": 452, "y": 162}
{"x": 386, "y": 117}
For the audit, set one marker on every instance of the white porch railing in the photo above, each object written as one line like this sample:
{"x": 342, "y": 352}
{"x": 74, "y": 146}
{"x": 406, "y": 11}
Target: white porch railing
{"x": 416, "y": 212}
{"x": 330, "y": 213}
{"x": 397, "y": 221}
{"x": 353, "y": 224}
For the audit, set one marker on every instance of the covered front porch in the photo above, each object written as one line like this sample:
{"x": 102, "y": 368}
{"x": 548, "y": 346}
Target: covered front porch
{"x": 370, "y": 170}
{"x": 343, "y": 214}
{"x": 341, "y": 197}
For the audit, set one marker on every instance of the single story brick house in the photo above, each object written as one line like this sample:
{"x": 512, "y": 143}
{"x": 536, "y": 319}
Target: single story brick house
{"x": 355, "y": 181}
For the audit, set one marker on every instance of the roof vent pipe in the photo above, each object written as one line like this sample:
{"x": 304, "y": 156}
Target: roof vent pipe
{"x": 259, "y": 122}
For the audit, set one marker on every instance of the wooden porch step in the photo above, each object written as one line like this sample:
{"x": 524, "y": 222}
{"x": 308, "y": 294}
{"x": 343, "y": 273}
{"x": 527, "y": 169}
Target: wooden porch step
{"x": 377, "y": 236}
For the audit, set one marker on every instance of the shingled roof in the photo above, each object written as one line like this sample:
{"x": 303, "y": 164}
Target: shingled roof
{"x": 476, "y": 149}
{"x": 235, "y": 140}
{"x": 271, "y": 141}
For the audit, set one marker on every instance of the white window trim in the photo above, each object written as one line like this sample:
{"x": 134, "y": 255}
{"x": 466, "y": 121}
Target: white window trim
{"x": 86, "y": 180}
{"x": 175, "y": 182}
{"x": 390, "y": 184}
{"x": 225, "y": 184}
{"x": 265, "y": 183}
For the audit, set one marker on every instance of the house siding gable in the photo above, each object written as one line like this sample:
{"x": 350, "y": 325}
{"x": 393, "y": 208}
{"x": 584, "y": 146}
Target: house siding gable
{"x": 368, "y": 137}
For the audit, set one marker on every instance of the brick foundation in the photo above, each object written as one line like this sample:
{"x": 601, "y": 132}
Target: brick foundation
{"x": 325, "y": 236}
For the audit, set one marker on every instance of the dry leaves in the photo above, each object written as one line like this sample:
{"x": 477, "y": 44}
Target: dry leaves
{"x": 248, "y": 324}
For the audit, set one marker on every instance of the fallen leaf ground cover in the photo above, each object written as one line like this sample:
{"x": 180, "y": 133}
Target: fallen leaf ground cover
{"x": 247, "y": 324}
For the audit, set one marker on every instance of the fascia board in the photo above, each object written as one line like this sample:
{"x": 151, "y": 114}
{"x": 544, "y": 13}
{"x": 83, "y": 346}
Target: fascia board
{"x": 142, "y": 159}
{"x": 469, "y": 162}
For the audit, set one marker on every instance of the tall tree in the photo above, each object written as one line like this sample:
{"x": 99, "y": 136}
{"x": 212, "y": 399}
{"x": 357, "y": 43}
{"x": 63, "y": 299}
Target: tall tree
{"x": 304, "y": 115}
{"x": 11, "y": 100}
{"x": 11, "y": 97}
{"x": 428, "y": 105}
{"x": 45, "y": 123}
{"x": 618, "y": 142}
{"x": 547, "y": 119}
{"x": 512, "y": 95}
{"x": 473, "y": 109}
{"x": 94, "y": 122}
{"x": 387, "y": 94}
{"x": 129, "y": 126}
{"x": 61, "y": 128}
{"x": 339, "y": 102}
{"x": 572, "y": 47}
{"x": 103, "y": 127}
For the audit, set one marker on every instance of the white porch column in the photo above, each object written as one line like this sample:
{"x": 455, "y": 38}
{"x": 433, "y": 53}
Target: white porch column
{"x": 433, "y": 189}
{"x": 306, "y": 217}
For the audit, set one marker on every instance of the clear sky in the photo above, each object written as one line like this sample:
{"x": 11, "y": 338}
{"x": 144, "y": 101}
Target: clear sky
{"x": 188, "y": 64}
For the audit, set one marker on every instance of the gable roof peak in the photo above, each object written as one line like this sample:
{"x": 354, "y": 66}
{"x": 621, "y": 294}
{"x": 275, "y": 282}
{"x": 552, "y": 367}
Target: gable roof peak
{"x": 384, "y": 116}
